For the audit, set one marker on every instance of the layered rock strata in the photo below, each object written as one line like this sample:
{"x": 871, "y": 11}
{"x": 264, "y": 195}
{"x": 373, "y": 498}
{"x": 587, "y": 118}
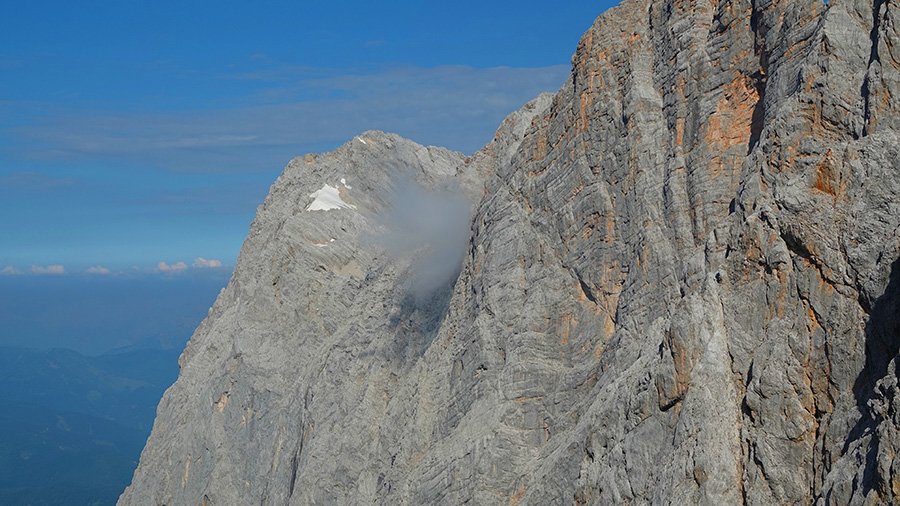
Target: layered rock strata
{"x": 681, "y": 285}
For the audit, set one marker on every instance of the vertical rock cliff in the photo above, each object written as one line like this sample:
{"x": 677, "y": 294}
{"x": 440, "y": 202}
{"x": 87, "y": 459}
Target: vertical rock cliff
{"x": 677, "y": 282}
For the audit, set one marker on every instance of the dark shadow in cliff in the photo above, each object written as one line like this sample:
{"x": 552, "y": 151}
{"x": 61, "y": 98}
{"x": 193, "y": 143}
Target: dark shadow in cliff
{"x": 758, "y": 80}
{"x": 874, "y": 36}
{"x": 882, "y": 345}
{"x": 419, "y": 319}
{"x": 759, "y": 111}
{"x": 882, "y": 336}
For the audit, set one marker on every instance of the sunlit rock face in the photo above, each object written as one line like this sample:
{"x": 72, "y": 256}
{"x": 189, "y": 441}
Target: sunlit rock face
{"x": 676, "y": 281}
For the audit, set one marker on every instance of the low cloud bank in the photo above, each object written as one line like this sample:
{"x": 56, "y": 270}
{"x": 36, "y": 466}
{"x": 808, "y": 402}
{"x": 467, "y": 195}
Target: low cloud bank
{"x": 201, "y": 262}
{"x": 164, "y": 267}
{"x": 50, "y": 269}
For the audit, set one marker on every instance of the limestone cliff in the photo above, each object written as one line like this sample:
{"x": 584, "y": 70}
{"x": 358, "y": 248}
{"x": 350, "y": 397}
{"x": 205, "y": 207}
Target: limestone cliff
{"x": 679, "y": 284}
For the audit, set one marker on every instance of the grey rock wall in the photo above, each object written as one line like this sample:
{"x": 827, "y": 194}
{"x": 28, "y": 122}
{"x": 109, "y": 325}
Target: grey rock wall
{"x": 678, "y": 282}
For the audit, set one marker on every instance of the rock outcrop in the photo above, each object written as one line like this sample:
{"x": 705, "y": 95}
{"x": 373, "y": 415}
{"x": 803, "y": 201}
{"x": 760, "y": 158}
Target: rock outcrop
{"x": 679, "y": 283}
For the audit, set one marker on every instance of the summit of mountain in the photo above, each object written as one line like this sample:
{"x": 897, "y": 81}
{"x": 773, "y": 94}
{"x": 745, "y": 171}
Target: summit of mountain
{"x": 674, "y": 281}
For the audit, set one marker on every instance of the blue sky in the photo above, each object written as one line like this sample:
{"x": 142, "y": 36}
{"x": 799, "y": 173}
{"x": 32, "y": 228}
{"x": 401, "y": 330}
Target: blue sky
{"x": 137, "y": 138}
{"x": 138, "y": 132}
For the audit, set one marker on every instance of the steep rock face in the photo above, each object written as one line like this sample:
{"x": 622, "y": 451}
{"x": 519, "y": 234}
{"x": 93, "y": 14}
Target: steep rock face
{"x": 681, "y": 285}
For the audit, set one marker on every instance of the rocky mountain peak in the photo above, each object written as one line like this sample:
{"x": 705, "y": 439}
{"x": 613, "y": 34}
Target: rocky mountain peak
{"x": 673, "y": 281}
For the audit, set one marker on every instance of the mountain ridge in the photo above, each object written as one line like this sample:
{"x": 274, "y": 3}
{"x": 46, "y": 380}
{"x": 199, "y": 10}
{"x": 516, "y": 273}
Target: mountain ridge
{"x": 678, "y": 285}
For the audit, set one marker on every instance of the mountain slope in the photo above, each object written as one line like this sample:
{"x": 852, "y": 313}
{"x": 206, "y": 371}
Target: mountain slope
{"x": 680, "y": 286}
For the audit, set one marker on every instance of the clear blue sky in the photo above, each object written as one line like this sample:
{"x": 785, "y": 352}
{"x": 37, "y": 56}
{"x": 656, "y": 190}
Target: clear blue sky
{"x": 138, "y": 132}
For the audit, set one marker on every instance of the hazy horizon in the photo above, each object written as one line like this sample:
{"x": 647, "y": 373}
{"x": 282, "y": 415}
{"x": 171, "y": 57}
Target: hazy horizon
{"x": 95, "y": 314}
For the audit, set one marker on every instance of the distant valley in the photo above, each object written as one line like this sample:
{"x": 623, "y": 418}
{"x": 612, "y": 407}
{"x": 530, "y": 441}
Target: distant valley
{"x": 73, "y": 426}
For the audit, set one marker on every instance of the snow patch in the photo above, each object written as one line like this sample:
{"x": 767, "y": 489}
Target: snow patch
{"x": 347, "y": 186}
{"x": 326, "y": 199}
{"x": 360, "y": 139}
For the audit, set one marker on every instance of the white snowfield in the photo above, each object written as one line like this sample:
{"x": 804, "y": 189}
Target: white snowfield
{"x": 326, "y": 199}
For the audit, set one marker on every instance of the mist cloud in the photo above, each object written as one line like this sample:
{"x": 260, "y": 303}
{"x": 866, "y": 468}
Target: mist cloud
{"x": 428, "y": 227}
{"x": 458, "y": 107}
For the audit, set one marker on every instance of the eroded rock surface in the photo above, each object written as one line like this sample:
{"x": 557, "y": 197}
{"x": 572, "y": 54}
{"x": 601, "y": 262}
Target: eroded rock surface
{"x": 678, "y": 284}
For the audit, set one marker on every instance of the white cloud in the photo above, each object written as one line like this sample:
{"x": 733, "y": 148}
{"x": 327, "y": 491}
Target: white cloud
{"x": 98, "y": 270}
{"x": 50, "y": 269}
{"x": 457, "y": 107}
{"x": 164, "y": 267}
{"x": 9, "y": 270}
{"x": 201, "y": 262}
{"x": 33, "y": 182}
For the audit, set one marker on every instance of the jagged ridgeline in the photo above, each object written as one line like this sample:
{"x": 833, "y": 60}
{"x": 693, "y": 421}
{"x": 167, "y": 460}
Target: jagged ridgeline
{"x": 676, "y": 281}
